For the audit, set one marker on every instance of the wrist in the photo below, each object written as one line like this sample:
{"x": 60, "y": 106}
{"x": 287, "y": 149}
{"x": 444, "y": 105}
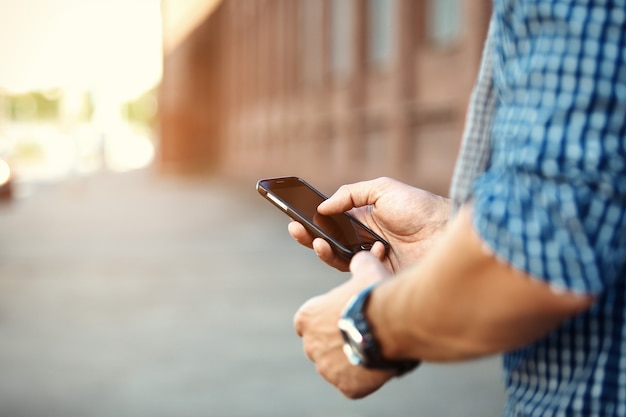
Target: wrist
{"x": 362, "y": 344}
{"x": 444, "y": 212}
{"x": 388, "y": 330}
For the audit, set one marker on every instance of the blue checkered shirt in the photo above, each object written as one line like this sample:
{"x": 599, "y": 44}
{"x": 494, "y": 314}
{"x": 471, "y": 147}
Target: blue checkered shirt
{"x": 544, "y": 166}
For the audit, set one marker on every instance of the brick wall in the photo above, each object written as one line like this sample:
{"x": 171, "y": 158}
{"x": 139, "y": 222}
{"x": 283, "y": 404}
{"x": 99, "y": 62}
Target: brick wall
{"x": 297, "y": 87}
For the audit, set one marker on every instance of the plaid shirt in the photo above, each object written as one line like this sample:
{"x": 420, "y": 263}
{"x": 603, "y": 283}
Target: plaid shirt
{"x": 544, "y": 166}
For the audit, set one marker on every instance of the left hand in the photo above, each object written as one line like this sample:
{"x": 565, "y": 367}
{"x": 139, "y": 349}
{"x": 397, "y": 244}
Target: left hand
{"x": 316, "y": 322}
{"x": 409, "y": 218}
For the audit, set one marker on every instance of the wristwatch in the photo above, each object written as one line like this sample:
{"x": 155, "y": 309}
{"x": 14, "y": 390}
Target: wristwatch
{"x": 360, "y": 344}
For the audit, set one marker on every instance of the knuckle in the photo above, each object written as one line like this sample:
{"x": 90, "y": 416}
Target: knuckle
{"x": 299, "y": 323}
{"x": 350, "y": 391}
{"x": 341, "y": 379}
{"x": 384, "y": 180}
{"x": 344, "y": 188}
{"x": 301, "y": 319}
{"x": 309, "y": 351}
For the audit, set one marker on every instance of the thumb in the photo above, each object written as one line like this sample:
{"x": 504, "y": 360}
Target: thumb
{"x": 367, "y": 268}
{"x": 348, "y": 197}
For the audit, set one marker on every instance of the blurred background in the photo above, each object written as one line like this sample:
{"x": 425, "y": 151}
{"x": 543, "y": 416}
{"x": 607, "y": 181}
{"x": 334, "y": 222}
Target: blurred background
{"x": 140, "y": 273}
{"x": 330, "y": 90}
{"x": 334, "y": 91}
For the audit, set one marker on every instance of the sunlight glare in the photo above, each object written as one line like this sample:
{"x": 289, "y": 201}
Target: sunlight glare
{"x": 5, "y": 172}
{"x": 114, "y": 45}
{"x": 109, "y": 51}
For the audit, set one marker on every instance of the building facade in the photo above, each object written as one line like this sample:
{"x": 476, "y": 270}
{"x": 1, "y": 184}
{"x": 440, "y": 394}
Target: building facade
{"x": 334, "y": 91}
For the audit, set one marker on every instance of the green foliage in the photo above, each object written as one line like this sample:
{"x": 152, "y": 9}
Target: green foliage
{"x": 87, "y": 107}
{"x": 143, "y": 109}
{"x": 37, "y": 106}
{"x": 28, "y": 150}
{"x": 31, "y": 106}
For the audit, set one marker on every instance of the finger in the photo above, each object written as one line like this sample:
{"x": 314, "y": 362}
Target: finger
{"x": 367, "y": 267}
{"x": 301, "y": 318}
{"x": 300, "y": 234}
{"x": 353, "y": 195}
{"x": 298, "y": 325}
{"x": 326, "y": 254}
{"x": 378, "y": 250}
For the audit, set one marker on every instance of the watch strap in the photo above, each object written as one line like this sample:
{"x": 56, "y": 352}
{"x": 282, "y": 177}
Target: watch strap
{"x": 371, "y": 355}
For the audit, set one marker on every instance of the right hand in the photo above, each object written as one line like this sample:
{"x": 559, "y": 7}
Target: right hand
{"x": 408, "y": 218}
{"x": 316, "y": 323}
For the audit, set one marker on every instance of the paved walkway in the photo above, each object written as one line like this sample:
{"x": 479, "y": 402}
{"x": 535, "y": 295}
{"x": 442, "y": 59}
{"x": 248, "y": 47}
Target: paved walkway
{"x": 125, "y": 295}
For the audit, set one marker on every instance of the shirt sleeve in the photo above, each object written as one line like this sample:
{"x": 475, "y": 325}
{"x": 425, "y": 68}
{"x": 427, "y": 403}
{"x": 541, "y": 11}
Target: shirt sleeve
{"x": 552, "y": 200}
{"x": 474, "y": 153}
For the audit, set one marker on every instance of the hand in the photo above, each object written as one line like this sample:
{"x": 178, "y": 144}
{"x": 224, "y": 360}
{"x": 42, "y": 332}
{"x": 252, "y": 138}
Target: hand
{"x": 317, "y": 323}
{"x": 407, "y": 217}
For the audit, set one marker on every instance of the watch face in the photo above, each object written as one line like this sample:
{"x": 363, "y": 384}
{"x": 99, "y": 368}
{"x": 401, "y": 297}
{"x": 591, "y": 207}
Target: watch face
{"x": 353, "y": 341}
{"x": 360, "y": 345}
{"x": 353, "y": 358}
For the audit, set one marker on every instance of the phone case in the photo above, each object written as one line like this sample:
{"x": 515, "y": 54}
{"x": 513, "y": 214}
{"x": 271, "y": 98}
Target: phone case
{"x": 264, "y": 187}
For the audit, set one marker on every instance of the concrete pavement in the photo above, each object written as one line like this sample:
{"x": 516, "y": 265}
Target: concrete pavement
{"x": 130, "y": 295}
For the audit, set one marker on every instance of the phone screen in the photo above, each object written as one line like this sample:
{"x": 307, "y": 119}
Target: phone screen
{"x": 304, "y": 200}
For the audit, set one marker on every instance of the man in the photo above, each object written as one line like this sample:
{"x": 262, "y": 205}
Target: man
{"x": 531, "y": 261}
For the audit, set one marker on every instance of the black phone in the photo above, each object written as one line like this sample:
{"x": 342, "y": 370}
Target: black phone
{"x": 299, "y": 200}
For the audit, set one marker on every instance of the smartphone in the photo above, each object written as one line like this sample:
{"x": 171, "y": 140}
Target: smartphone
{"x": 299, "y": 200}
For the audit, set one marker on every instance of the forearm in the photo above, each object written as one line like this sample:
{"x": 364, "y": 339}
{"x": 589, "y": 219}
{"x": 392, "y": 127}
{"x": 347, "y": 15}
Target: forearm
{"x": 460, "y": 302}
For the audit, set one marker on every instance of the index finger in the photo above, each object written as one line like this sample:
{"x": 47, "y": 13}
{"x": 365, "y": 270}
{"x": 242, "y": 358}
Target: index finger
{"x": 365, "y": 266}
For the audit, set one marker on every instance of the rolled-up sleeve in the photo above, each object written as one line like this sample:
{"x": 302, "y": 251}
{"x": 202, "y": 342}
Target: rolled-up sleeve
{"x": 552, "y": 200}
